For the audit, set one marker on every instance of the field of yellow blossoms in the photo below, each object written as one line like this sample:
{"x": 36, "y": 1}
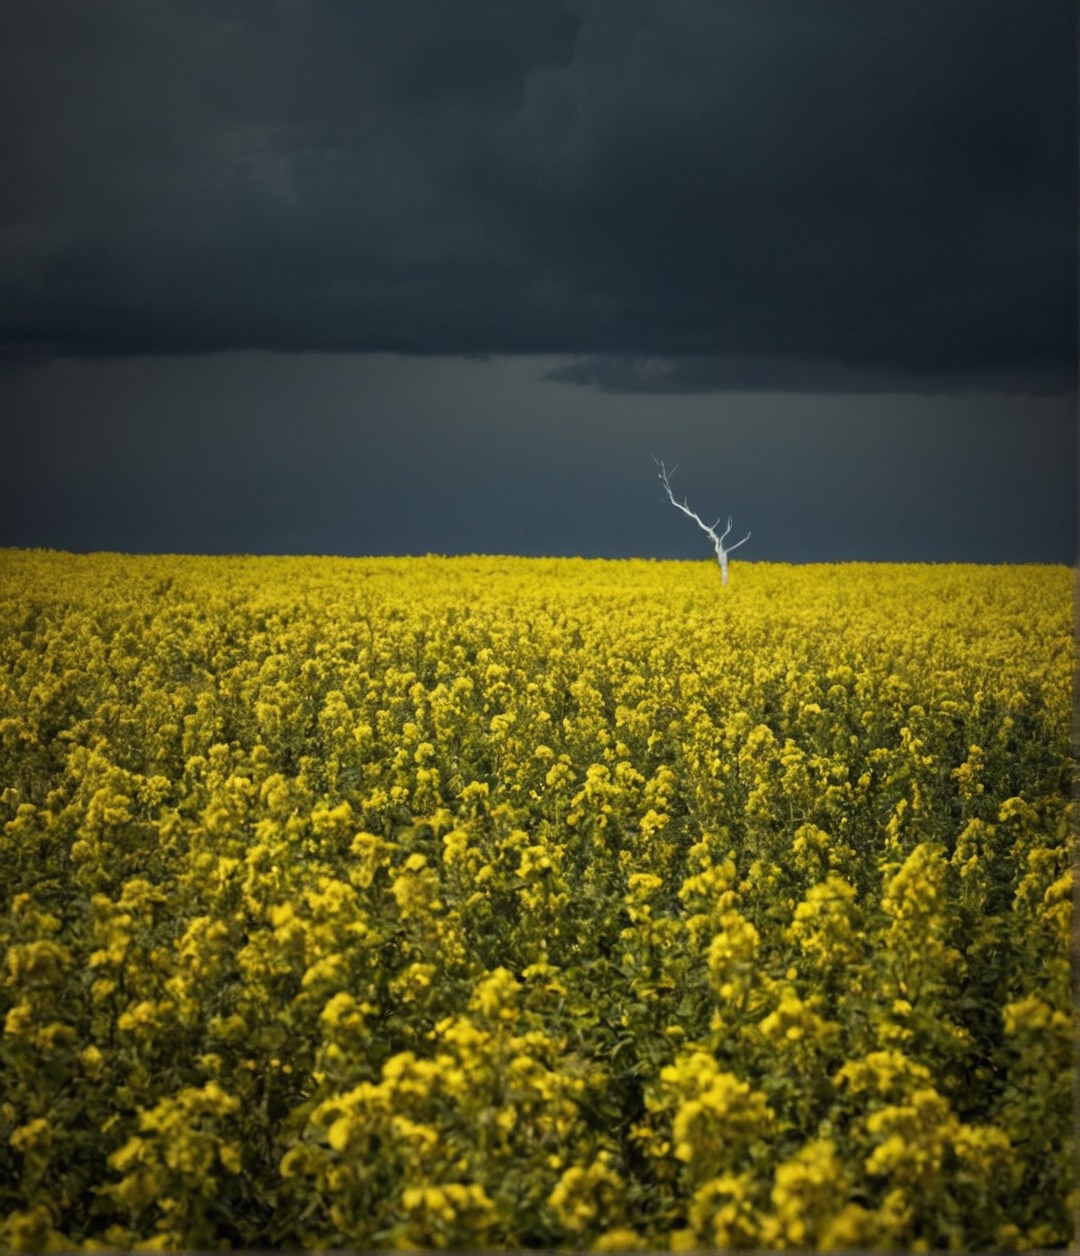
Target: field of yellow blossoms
{"x": 463, "y": 902}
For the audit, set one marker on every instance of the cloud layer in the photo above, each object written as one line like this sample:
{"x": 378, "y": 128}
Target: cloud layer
{"x": 684, "y": 194}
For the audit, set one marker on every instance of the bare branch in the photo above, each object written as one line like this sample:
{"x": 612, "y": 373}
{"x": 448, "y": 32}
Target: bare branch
{"x": 722, "y": 551}
{"x": 683, "y": 505}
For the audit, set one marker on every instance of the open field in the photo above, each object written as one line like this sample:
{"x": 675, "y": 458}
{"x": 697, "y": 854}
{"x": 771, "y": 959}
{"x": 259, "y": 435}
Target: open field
{"x": 510, "y": 902}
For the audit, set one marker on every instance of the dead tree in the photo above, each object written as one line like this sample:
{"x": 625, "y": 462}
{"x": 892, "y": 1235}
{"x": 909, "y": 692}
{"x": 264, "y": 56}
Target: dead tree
{"x": 722, "y": 550}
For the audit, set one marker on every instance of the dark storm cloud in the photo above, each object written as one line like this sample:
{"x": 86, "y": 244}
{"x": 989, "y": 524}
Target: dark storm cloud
{"x": 688, "y": 194}
{"x": 665, "y": 376}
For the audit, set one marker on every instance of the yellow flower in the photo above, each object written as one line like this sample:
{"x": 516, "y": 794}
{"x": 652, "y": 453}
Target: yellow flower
{"x": 495, "y": 996}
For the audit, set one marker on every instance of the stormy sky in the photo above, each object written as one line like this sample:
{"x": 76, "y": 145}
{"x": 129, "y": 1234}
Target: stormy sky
{"x": 345, "y": 276}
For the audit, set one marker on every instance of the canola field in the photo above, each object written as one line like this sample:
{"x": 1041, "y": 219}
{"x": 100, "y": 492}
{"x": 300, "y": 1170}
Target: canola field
{"x": 465, "y": 902}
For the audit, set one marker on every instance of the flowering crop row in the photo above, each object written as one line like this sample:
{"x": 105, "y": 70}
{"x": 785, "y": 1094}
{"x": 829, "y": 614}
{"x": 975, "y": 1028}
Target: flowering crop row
{"x": 507, "y": 902}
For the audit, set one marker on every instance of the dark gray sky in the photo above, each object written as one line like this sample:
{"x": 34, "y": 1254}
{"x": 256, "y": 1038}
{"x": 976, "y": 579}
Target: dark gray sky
{"x": 345, "y": 276}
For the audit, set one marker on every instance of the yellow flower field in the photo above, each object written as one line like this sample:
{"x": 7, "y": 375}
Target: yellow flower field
{"x": 459, "y": 902}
